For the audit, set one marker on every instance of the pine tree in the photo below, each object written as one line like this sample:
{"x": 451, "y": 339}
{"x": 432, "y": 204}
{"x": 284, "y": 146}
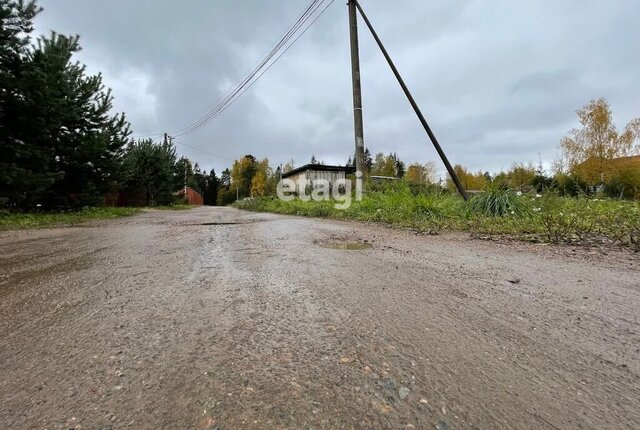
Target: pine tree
{"x": 186, "y": 174}
{"x": 368, "y": 160}
{"x": 23, "y": 166}
{"x": 88, "y": 142}
{"x": 211, "y": 195}
{"x": 60, "y": 146}
{"x": 200, "y": 179}
{"x": 399, "y": 168}
{"x": 225, "y": 179}
{"x": 151, "y": 170}
{"x": 225, "y": 194}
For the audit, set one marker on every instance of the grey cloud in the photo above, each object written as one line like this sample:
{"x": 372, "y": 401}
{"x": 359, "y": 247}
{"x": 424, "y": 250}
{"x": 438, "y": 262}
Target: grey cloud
{"x": 545, "y": 82}
{"x": 498, "y": 80}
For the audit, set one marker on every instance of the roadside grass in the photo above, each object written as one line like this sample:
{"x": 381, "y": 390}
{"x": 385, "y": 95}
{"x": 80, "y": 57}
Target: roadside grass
{"x": 18, "y": 221}
{"x": 536, "y": 218}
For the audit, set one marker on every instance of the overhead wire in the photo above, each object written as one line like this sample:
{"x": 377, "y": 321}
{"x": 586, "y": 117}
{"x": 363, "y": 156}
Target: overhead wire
{"x": 202, "y": 151}
{"x": 292, "y": 35}
{"x": 285, "y": 43}
{"x": 273, "y": 63}
{"x": 283, "y": 40}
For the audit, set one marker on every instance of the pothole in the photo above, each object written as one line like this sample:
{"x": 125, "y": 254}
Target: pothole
{"x": 220, "y": 223}
{"x": 348, "y": 246}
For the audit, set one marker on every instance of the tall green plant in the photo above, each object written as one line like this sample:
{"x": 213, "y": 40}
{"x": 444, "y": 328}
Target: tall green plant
{"x": 496, "y": 201}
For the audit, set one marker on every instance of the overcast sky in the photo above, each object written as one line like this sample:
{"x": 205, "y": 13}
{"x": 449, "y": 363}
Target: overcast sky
{"x": 498, "y": 80}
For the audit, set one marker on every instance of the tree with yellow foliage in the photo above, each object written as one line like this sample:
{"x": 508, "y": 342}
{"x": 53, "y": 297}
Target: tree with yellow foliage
{"x": 388, "y": 165}
{"x": 258, "y": 184}
{"x": 470, "y": 181}
{"x": 260, "y": 180}
{"x": 422, "y": 173}
{"x": 590, "y": 152}
{"x": 242, "y": 172}
{"x": 521, "y": 176}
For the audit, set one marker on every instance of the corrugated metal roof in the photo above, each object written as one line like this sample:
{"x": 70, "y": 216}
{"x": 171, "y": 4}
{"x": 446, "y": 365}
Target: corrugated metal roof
{"x": 319, "y": 168}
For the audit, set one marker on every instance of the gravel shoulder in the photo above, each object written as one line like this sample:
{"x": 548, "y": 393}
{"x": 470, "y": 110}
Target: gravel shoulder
{"x": 215, "y": 318}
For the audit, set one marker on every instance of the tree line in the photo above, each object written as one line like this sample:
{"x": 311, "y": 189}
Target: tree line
{"x": 62, "y": 147}
{"x": 595, "y": 158}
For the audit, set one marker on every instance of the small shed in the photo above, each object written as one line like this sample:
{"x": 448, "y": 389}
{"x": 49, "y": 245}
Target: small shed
{"x": 315, "y": 172}
{"x": 190, "y": 196}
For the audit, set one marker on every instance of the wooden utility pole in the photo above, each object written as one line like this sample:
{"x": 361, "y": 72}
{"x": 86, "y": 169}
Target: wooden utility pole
{"x": 423, "y": 121}
{"x": 357, "y": 93}
{"x": 168, "y": 139}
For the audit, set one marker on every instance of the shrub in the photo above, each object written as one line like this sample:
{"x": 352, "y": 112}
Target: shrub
{"x": 426, "y": 189}
{"x": 541, "y": 183}
{"x": 565, "y": 219}
{"x": 625, "y": 184}
{"x": 566, "y": 185}
{"x": 497, "y": 202}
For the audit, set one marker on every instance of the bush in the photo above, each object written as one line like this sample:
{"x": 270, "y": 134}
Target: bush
{"x": 497, "y": 202}
{"x": 566, "y": 185}
{"x": 541, "y": 183}
{"x": 426, "y": 189}
{"x": 565, "y": 219}
{"x": 625, "y": 184}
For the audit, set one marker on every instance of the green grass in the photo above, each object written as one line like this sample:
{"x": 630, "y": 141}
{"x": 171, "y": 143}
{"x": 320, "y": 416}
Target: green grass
{"x": 16, "y": 221}
{"x": 546, "y": 218}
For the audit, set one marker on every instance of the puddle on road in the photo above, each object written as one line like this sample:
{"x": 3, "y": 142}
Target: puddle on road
{"x": 348, "y": 246}
{"x": 221, "y": 223}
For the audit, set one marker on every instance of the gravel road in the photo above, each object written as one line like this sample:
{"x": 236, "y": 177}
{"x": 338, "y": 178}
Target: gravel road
{"x": 219, "y": 319}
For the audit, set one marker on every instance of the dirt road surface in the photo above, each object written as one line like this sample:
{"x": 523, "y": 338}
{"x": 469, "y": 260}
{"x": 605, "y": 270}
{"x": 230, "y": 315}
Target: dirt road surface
{"x": 219, "y": 319}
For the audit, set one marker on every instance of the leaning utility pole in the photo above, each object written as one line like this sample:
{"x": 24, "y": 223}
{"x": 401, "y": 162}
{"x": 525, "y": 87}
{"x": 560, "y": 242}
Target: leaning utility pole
{"x": 357, "y": 94}
{"x": 355, "y": 4}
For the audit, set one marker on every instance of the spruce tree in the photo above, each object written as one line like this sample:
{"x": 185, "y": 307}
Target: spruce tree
{"x": 151, "y": 171}
{"x": 59, "y": 144}
{"x": 24, "y": 167}
{"x": 211, "y": 196}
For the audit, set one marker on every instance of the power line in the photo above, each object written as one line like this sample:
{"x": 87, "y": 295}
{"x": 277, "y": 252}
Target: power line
{"x": 260, "y": 64}
{"x": 203, "y": 151}
{"x": 263, "y": 65}
{"x": 239, "y": 94}
{"x": 293, "y": 34}
{"x": 232, "y": 95}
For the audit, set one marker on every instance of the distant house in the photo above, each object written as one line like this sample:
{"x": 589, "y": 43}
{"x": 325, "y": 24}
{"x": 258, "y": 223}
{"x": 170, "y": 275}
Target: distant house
{"x": 632, "y": 162}
{"x": 190, "y": 196}
{"x": 599, "y": 170}
{"x": 315, "y": 172}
